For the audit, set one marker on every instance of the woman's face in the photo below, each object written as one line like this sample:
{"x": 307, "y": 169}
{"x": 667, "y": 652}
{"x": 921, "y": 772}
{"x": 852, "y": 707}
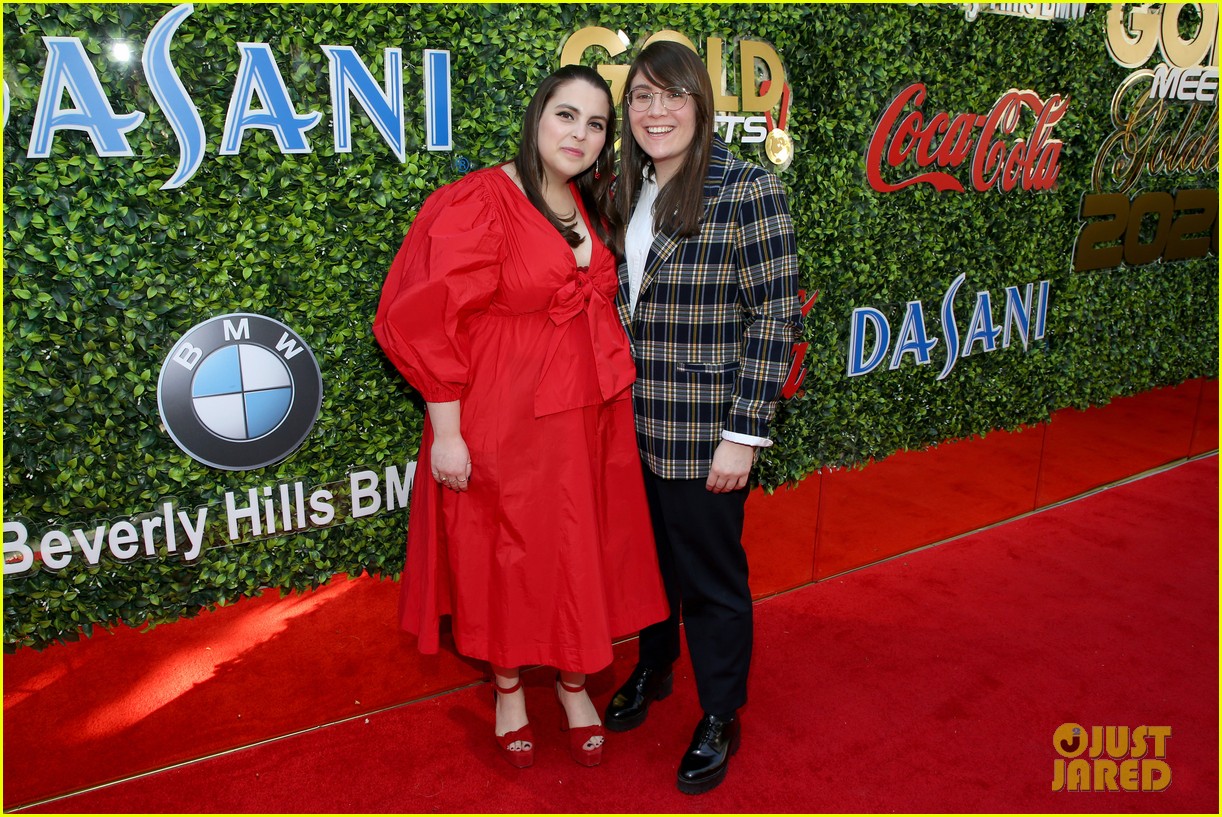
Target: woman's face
{"x": 665, "y": 136}
{"x": 572, "y": 130}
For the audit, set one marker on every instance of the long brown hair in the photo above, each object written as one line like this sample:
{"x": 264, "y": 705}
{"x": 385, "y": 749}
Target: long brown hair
{"x": 680, "y": 204}
{"x": 593, "y": 185}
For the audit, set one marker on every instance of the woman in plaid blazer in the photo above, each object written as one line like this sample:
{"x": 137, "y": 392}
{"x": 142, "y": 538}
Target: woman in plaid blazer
{"x": 709, "y": 295}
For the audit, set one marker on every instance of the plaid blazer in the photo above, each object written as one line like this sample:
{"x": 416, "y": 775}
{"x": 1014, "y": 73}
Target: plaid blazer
{"x": 715, "y": 321}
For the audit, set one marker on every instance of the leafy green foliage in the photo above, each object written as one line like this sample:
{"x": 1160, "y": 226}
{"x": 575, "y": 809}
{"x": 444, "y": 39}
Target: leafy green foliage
{"x": 104, "y": 271}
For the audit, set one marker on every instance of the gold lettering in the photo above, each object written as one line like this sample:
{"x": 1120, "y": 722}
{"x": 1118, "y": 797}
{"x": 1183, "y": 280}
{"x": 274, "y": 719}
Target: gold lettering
{"x": 1130, "y": 770}
{"x": 1116, "y": 739}
{"x": 1154, "y": 26}
{"x": 1068, "y": 739}
{"x": 1096, "y": 741}
{"x": 1139, "y": 742}
{"x": 1078, "y": 777}
{"x": 1132, "y": 45}
{"x": 1187, "y": 53}
{"x": 672, "y": 36}
{"x": 1160, "y": 734}
{"x": 748, "y": 52}
{"x": 1148, "y": 780}
{"x": 1105, "y": 776}
{"x": 581, "y": 41}
{"x": 717, "y": 76}
{"x": 1142, "y": 142}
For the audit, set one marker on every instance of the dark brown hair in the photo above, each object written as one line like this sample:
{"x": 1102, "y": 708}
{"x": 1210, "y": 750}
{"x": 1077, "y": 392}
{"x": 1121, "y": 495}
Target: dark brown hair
{"x": 680, "y": 204}
{"x": 595, "y": 192}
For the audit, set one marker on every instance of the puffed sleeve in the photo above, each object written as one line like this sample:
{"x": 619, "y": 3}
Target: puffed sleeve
{"x": 445, "y": 272}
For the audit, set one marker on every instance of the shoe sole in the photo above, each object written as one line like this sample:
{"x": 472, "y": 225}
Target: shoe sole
{"x": 700, "y": 787}
{"x": 632, "y": 723}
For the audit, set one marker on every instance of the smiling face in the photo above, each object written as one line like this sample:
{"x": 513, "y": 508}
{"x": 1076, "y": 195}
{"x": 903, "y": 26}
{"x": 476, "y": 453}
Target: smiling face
{"x": 665, "y": 136}
{"x": 572, "y": 130}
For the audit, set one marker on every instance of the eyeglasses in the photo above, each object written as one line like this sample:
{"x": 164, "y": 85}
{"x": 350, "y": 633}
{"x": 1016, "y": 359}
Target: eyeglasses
{"x": 672, "y": 99}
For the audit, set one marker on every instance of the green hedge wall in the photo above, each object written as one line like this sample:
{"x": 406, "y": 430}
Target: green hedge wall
{"x": 103, "y": 271}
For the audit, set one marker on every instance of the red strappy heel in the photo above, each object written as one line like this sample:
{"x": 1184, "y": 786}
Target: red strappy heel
{"x": 525, "y": 755}
{"x": 581, "y": 736}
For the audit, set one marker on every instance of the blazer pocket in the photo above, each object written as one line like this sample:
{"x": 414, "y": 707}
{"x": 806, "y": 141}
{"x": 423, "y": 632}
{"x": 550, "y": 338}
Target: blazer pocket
{"x": 694, "y": 371}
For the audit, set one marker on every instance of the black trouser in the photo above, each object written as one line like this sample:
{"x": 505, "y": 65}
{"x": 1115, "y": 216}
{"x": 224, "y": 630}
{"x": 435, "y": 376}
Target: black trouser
{"x": 704, "y": 571}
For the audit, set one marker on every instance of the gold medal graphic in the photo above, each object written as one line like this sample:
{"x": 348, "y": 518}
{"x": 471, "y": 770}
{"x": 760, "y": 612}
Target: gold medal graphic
{"x": 778, "y": 146}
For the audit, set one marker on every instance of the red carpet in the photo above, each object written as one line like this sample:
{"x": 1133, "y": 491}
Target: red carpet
{"x": 933, "y": 682}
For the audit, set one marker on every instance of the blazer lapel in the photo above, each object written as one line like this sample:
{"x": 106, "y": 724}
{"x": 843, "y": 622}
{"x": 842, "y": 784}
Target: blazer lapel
{"x": 665, "y": 244}
{"x": 621, "y": 302}
{"x": 663, "y": 247}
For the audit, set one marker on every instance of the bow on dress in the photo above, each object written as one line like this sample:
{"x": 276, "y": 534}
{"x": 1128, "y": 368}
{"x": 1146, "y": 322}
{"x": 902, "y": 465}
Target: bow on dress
{"x": 588, "y": 360}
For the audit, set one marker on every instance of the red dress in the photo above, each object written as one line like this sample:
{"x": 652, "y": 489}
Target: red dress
{"x": 549, "y": 555}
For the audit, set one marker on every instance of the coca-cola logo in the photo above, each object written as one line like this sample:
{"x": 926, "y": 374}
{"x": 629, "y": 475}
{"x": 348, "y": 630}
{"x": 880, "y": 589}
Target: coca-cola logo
{"x": 997, "y": 149}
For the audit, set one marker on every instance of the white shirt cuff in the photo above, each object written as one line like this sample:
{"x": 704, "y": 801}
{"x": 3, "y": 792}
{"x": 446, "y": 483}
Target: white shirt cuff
{"x": 746, "y": 439}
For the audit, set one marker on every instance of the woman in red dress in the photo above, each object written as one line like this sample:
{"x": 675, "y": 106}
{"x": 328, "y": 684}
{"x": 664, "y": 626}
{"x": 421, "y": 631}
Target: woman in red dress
{"x": 533, "y": 531}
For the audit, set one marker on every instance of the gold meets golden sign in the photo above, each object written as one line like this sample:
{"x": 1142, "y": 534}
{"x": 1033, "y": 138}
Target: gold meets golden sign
{"x": 778, "y": 146}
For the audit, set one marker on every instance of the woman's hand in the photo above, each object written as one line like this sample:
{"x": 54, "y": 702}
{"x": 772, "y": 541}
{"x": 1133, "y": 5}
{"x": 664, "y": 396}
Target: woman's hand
{"x": 450, "y": 460}
{"x": 731, "y": 465}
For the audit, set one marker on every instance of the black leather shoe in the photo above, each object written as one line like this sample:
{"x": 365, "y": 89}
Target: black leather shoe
{"x": 630, "y": 705}
{"x": 708, "y": 758}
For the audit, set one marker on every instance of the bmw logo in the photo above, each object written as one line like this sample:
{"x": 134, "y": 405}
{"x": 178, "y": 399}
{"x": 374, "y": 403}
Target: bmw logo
{"x": 239, "y": 391}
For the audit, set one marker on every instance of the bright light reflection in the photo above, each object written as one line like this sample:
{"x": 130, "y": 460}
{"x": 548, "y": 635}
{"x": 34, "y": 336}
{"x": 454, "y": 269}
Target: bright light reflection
{"x": 199, "y": 654}
{"x": 120, "y": 51}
